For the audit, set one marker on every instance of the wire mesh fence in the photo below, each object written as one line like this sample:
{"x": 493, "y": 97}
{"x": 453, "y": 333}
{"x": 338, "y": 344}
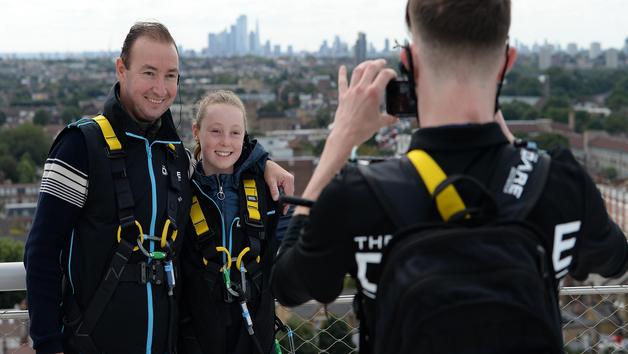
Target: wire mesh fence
{"x": 616, "y": 200}
{"x": 14, "y": 337}
{"x": 595, "y": 320}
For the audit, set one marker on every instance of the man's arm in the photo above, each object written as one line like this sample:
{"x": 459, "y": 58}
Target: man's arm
{"x": 357, "y": 118}
{"x": 603, "y": 248}
{"x": 63, "y": 193}
{"x": 312, "y": 260}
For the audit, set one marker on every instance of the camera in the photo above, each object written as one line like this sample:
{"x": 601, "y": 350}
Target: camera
{"x": 401, "y": 99}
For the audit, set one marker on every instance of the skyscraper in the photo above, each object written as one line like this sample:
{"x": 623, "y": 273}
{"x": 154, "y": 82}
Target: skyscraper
{"x": 241, "y": 36}
{"x": 360, "y": 48}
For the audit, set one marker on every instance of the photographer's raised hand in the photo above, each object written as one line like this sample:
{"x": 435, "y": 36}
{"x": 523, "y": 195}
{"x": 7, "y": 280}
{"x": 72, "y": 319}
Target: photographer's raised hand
{"x": 357, "y": 118}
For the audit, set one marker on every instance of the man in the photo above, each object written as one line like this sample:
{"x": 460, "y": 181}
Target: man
{"x": 114, "y": 196}
{"x": 459, "y": 54}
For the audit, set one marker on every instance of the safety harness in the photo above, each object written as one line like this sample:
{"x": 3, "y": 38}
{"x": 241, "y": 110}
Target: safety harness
{"x": 159, "y": 268}
{"x": 254, "y": 230}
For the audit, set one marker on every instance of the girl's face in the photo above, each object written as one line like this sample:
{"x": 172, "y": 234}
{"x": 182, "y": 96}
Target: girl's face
{"x": 220, "y": 133}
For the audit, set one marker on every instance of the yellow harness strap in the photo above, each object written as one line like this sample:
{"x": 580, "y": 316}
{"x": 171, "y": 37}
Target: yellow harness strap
{"x": 252, "y": 204}
{"x": 198, "y": 218}
{"x": 448, "y": 201}
{"x": 107, "y": 132}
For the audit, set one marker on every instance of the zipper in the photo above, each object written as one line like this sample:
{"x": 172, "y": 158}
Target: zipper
{"x": 220, "y": 194}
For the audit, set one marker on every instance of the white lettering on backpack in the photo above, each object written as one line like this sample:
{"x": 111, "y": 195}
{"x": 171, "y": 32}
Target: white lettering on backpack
{"x": 518, "y": 176}
{"x": 561, "y": 265}
{"x": 369, "y": 253}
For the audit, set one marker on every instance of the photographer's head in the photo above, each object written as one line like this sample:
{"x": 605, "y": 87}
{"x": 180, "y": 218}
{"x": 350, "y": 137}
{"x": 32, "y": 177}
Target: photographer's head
{"x": 147, "y": 69}
{"x": 459, "y": 45}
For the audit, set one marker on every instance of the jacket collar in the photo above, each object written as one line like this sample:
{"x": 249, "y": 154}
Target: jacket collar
{"x": 122, "y": 122}
{"x": 458, "y": 137}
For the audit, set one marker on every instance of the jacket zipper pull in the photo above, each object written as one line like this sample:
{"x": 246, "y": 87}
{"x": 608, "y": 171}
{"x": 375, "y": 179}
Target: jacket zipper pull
{"x": 220, "y": 195}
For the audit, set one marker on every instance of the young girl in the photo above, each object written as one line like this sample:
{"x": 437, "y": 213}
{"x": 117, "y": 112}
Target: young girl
{"x": 228, "y": 253}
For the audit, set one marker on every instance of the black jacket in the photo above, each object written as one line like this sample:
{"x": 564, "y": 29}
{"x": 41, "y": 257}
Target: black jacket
{"x": 76, "y": 237}
{"x": 347, "y": 228}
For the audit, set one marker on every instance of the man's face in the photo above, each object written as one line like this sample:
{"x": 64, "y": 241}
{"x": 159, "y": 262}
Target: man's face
{"x": 148, "y": 86}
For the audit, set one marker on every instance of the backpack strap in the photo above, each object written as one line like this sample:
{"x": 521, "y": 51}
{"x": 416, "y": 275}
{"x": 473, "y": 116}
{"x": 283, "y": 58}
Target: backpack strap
{"x": 519, "y": 180}
{"x": 448, "y": 201}
{"x": 391, "y": 181}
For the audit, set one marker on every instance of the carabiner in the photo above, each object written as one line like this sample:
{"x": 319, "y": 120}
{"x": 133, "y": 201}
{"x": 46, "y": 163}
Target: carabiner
{"x": 226, "y": 251}
{"x": 164, "y": 234}
{"x": 140, "y": 236}
{"x": 153, "y": 255}
{"x": 241, "y": 255}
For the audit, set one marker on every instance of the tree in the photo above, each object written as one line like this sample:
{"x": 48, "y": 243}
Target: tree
{"x": 26, "y": 171}
{"x": 26, "y": 138}
{"x": 610, "y": 173}
{"x": 557, "y": 108}
{"x": 617, "y": 122}
{"x": 335, "y": 337}
{"x": 551, "y": 141}
{"x": 42, "y": 117}
{"x": 3, "y": 118}
{"x": 517, "y": 110}
{"x": 11, "y": 251}
{"x": 70, "y": 114}
{"x": 322, "y": 118}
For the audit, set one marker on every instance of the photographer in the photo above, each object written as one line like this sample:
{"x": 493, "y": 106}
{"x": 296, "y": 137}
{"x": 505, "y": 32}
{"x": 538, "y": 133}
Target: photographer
{"x": 459, "y": 55}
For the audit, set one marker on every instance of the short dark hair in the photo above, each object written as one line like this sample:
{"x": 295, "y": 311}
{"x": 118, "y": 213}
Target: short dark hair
{"x": 154, "y": 30}
{"x": 479, "y": 24}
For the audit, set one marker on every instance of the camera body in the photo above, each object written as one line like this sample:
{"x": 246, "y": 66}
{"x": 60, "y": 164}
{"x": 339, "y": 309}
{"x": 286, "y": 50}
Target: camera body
{"x": 401, "y": 99}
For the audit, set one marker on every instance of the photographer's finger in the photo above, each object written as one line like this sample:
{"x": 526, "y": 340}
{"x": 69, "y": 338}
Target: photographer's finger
{"x": 387, "y": 119}
{"x": 384, "y": 77}
{"x": 371, "y": 70}
{"x": 343, "y": 84}
{"x": 358, "y": 72}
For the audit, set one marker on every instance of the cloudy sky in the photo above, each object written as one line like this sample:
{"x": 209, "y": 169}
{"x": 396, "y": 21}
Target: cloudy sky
{"x": 88, "y": 25}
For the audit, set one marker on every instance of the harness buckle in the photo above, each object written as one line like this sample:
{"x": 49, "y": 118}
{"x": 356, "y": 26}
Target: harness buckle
{"x": 151, "y": 273}
{"x": 116, "y": 154}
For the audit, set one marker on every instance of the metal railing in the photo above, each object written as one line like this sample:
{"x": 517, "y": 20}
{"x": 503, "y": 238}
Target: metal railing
{"x": 595, "y": 320}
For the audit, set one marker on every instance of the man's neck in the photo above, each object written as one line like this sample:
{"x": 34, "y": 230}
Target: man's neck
{"x": 452, "y": 102}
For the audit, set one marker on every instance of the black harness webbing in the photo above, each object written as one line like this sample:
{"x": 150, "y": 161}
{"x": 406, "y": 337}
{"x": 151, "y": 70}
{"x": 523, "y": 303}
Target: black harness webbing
{"x": 81, "y": 323}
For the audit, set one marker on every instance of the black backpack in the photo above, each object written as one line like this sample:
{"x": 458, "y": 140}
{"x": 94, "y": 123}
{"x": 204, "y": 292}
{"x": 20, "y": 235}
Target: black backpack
{"x": 481, "y": 281}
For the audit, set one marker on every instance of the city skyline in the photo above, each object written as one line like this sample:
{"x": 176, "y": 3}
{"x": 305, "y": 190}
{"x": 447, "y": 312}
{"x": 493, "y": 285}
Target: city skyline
{"x": 77, "y": 26}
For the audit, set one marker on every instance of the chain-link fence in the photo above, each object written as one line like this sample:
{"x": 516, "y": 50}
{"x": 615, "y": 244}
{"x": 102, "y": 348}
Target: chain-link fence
{"x": 594, "y": 321}
{"x": 616, "y": 204}
{"x": 14, "y": 332}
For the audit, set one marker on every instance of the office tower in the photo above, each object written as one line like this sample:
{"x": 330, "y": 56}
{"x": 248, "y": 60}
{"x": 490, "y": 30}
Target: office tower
{"x": 360, "y": 48}
{"x": 572, "y": 49}
{"x": 545, "y": 56}
{"x": 612, "y": 58}
{"x": 595, "y": 50}
{"x": 241, "y": 36}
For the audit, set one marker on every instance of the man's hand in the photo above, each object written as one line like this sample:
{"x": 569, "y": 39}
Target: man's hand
{"x": 357, "y": 118}
{"x": 275, "y": 176}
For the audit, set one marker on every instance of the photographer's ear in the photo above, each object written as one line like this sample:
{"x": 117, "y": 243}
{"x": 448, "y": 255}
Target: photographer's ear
{"x": 512, "y": 58}
{"x": 403, "y": 55}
